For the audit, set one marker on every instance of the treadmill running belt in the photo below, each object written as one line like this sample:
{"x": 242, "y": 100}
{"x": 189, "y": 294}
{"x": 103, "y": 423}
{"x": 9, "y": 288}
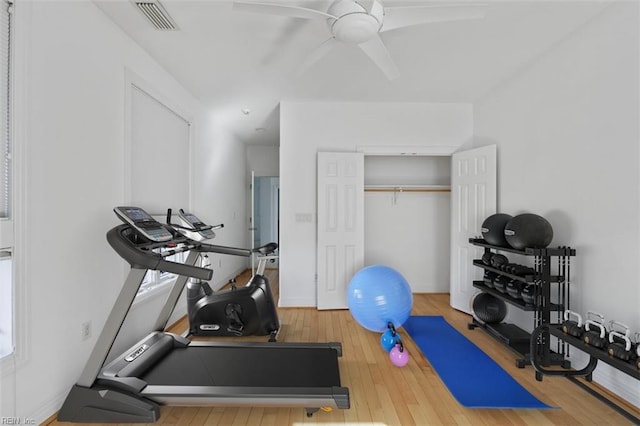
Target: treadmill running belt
{"x": 256, "y": 367}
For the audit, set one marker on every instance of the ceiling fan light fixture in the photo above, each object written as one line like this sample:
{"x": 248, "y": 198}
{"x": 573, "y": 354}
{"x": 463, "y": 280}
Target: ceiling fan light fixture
{"x": 354, "y": 24}
{"x": 355, "y": 28}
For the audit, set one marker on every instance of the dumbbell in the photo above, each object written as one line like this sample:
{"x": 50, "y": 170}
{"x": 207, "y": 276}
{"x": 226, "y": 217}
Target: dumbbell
{"x": 486, "y": 258}
{"x": 522, "y": 270}
{"x": 597, "y": 339}
{"x": 514, "y": 289}
{"x": 497, "y": 260}
{"x": 528, "y": 294}
{"x": 508, "y": 267}
{"x": 500, "y": 283}
{"x": 488, "y": 278}
{"x": 571, "y": 327}
{"x": 619, "y": 342}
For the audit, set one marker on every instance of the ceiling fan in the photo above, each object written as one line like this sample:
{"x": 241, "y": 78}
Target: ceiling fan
{"x": 360, "y": 22}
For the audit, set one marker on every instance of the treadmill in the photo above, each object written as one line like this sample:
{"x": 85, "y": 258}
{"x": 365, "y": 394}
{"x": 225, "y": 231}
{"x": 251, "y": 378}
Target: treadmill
{"x": 165, "y": 368}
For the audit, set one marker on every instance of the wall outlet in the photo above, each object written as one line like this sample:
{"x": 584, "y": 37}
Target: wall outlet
{"x": 85, "y": 331}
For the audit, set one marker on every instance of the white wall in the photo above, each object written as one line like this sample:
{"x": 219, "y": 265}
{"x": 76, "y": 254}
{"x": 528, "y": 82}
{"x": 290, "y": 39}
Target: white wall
{"x": 309, "y": 127}
{"x": 567, "y": 133}
{"x": 410, "y": 232}
{"x": 220, "y": 192}
{"x": 407, "y": 170}
{"x": 71, "y": 129}
{"x": 264, "y": 160}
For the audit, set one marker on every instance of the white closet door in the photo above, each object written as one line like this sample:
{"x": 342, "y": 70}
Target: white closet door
{"x": 473, "y": 198}
{"x": 340, "y": 247}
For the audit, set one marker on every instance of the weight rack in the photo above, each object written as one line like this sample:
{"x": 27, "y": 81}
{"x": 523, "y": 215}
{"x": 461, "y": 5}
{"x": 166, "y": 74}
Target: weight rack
{"x": 549, "y": 305}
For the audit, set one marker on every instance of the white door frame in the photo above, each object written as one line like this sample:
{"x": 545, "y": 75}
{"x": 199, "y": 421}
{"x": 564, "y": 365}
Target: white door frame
{"x": 436, "y": 151}
{"x": 366, "y": 150}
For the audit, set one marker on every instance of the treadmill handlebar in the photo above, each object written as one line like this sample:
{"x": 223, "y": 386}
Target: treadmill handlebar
{"x": 233, "y": 251}
{"x": 140, "y": 254}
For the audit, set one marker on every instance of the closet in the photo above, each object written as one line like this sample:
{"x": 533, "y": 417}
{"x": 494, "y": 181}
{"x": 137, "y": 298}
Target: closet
{"x": 407, "y": 216}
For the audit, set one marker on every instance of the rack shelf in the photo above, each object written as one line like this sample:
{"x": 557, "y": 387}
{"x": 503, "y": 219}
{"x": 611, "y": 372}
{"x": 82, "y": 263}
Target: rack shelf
{"x": 526, "y": 278}
{"x": 596, "y": 354}
{"x": 559, "y": 251}
{"x": 508, "y": 334}
{"x": 513, "y": 301}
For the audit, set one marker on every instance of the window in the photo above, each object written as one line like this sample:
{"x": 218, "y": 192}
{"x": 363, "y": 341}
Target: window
{"x": 6, "y": 223}
{"x": 6, "y": 306}
{"x": 155, "y": 279}
{"x": 159, "y": 145}
{"x": 5, "y": 100}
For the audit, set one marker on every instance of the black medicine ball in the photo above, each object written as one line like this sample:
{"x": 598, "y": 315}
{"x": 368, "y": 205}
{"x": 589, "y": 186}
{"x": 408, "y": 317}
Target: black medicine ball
{"x": 493, "y": 229}
{"x": 528, "y": 230}
{"x": 488, "y": 309}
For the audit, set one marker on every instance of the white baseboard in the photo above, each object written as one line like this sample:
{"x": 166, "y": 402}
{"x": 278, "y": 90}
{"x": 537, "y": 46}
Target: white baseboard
{"x": 225, "y": 280}
{"x": 617, "y": 382}
{"x": 621, "y": 384}
{"x": 296, "y": 303}
{"x": 46, "y": 410}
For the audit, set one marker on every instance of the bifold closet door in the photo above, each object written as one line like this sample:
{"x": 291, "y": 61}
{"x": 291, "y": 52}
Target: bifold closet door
{"x": 473, "y": 198}
{"x": 340, "y": 244}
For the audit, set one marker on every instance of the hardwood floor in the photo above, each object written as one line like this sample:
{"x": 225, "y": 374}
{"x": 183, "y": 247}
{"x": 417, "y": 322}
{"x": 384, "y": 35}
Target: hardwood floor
{"x": 382, "y": 394}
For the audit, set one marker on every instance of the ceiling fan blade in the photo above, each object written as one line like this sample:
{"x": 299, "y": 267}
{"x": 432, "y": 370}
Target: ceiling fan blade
{"x": 284, "y": 39}
{"x": 366, "y": 4}
{"x": 400, "y": 17}
{"x": 378, "y": 53}
{"x": 281, "y": 10}
{"x": 317, "y": 54}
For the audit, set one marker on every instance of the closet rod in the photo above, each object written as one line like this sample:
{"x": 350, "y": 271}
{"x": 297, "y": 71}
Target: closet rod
{"x": 407, "y": 190}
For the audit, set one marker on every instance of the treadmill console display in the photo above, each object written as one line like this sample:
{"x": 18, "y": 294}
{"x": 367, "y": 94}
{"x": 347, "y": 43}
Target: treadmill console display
{"x": 142, "y": 222}
{"x": 197, "y": 225}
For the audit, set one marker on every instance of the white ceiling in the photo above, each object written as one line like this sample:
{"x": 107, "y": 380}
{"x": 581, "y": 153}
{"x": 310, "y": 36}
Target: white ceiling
{"x": 231, "y": 59}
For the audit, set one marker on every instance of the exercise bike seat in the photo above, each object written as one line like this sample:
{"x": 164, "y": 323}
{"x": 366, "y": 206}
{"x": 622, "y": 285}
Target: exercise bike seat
{"x": 266, "y": 249}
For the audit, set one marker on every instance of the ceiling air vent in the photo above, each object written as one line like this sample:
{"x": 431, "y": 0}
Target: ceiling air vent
{"x": 156, "y": 14}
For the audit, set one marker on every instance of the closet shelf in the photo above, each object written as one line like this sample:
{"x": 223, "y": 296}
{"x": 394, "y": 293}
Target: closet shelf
{"x": 407, "y": 188}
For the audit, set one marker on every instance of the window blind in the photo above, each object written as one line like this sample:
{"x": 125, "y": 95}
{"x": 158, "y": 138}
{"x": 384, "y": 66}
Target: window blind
{"x": 6, "y": 263}
{"x": 5, "y": 103}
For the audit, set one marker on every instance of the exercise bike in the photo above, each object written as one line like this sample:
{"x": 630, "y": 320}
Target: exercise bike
{"x": 238, "y": 311}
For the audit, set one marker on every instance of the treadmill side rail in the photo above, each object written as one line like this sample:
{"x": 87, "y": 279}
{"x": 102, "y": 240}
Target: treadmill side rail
{"x": 224, "y": 396}
{"x": 337, "y": 346}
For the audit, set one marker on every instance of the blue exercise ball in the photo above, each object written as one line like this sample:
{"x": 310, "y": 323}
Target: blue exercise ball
{"x": 378, "y": 295}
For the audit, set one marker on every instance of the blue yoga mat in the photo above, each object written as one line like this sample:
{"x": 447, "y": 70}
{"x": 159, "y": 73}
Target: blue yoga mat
{"x": 473, "y": 378}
